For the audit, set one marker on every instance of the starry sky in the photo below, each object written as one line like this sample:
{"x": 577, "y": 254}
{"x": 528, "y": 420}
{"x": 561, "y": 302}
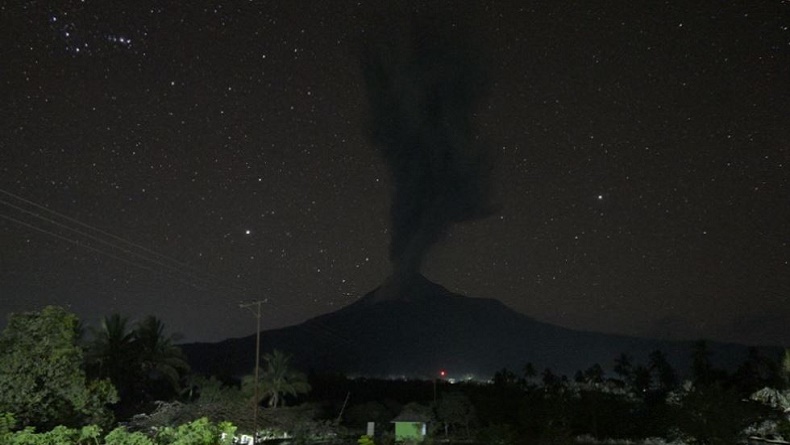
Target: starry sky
{"x": 178, "y": 158}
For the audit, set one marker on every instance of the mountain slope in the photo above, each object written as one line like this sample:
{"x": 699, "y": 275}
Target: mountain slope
{"x": 428, "y": 328}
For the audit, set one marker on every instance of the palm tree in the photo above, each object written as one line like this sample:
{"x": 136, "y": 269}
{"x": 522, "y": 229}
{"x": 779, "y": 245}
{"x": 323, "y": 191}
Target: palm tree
{"x": 529, "y": 371}
{"x": 111, "y": 353}
{"x": 666, "y": 378}
{"x": 278, "y": 379}
{"x": 624, "y": 367}
{"x": 159, "y": 359}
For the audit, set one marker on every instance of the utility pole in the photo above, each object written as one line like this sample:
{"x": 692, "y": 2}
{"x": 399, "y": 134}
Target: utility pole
{"x": 257, "y": 314}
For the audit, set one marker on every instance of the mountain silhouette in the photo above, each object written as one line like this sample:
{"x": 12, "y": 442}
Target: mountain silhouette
{"x": 427, "y": 328}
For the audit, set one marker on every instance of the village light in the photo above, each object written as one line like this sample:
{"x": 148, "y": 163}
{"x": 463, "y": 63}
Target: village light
{"x": 442, "y": 374}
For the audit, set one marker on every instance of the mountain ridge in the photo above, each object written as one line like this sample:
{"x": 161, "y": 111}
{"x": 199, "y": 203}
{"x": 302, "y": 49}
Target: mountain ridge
{"x": 426, "y": 327}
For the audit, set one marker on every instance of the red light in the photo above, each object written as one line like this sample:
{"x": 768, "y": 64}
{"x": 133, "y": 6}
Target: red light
{"x": 442, "y": 373}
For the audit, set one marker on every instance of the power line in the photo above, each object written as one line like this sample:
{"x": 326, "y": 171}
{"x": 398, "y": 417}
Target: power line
{"x": 88, "y": 226}
{"x": 75, "y": 242}
{"x": 101, "y": 241}
{"x": 169, "y": 270}
{"x": 149, "y": 255}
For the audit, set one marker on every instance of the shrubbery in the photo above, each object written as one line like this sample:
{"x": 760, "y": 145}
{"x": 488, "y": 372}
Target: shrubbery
{"x": 42, "y": 381}
{"x": 199, "y": 432}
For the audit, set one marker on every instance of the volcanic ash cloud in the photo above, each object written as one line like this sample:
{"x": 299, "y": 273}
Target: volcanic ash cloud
{"x": 423, "y": 85}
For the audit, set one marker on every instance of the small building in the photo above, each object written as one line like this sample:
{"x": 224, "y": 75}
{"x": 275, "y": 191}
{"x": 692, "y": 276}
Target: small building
{"x": 411, "y": 424}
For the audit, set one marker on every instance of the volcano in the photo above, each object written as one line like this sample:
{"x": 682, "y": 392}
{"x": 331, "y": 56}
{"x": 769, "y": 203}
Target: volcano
{"x": 427, "y": 328}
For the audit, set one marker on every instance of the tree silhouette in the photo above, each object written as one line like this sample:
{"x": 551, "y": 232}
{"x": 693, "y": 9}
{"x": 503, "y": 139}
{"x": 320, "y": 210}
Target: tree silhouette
{"x": 529, "y": 371}
{"x": 505, "y": 377}
{"x": 278, "y": 379}
{"x": 758, "y": 371}
{"x": 112, "y": 354}
{"x": 666, "y": 377}
{"x": 594, "y": 374}
{"x": 623, "y": 367}
{"x": 160, "y": 362}
{"x": 701, "y": 367}
{"x": 455, "y": 410}
{"x": 529, "y": 375}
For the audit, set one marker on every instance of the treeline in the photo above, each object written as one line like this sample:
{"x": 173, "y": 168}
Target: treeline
{"x": 62, "y": 379}
{"x": 639, "y": 400}
{"x": 53, "y": 371}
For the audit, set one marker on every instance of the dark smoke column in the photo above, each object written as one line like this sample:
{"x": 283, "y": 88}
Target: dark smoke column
{"x": 423, "y": 85}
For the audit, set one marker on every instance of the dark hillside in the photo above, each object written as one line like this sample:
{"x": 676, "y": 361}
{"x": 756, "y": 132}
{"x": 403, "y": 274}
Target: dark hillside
{"x": 430, "y": 328}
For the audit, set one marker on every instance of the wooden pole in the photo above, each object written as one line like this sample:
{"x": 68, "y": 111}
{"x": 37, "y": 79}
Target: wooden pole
{"x": 257, "y": 314}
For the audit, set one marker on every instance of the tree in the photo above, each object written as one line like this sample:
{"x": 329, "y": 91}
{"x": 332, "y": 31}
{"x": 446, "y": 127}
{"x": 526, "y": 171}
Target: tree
{"x": 758, "y": 371}
{"x": 505, "y": 378}
{"x": 279, "y": 379}
{"x": 143, "y": 363}
{"x": 666, "y": 378}
{"x": 594, "y": 374}
{"x": 42, "y": 382}
{"x": 623, "y": 367}
{"x": 551, "y": 381}
{"x": 210, "y": 390}
{"x": 455, "y": 410}
{"x": 702, "y": 370}
{"x": 112, "y": 354}
{"x": 529, "y": 376}
{"x": 160, "y": 362}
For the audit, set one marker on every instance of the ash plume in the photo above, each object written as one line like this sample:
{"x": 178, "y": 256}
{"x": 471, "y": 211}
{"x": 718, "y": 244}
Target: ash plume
{"x": 423, "y": 84}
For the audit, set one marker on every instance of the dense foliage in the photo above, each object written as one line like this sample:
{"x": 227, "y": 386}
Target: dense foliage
{"x": 47, "y": 384}
{"x": 198, "y": 432}
{"x": 42, "y": 381}
{"x": 142, "y": 362}
{"x": 278, "y": 380}
{"x": 638, "y": 401}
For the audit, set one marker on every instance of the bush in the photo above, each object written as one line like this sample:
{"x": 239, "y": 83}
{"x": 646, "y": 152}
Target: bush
{"x": 60, "y": 435}
{"x": 121, "y": 436}
{"x": 7, "y": 423}
{"x": 199, "y": 432}
{"x": 42, "y": 381}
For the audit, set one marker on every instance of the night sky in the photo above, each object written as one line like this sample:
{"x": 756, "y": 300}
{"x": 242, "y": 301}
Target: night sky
{"x": 177, "y": 158}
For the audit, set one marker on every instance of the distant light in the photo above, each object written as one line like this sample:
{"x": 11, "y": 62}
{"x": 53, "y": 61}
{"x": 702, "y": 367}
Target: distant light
{"x": 443, "y": 373}
{"x": 600, "y": 196}
{"x": 247, "y": 232}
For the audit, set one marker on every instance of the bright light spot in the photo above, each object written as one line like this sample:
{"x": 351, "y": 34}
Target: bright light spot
{"x": 247, "y": 232}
